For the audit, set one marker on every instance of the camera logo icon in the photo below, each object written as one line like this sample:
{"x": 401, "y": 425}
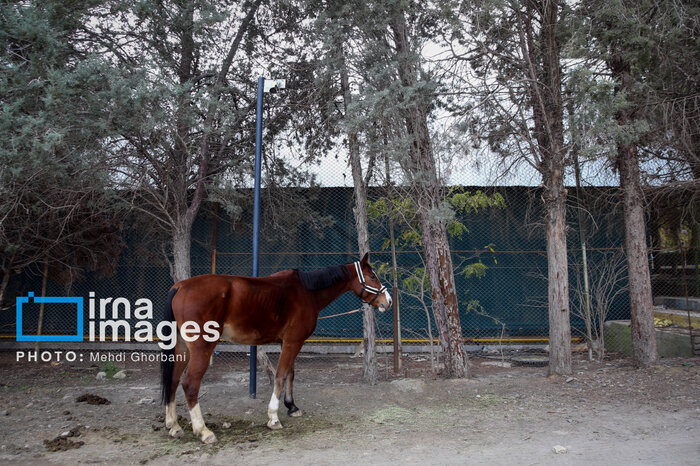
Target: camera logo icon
{"x": 77, "y": 300}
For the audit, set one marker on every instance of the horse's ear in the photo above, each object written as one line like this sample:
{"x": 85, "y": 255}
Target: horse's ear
{"x": 365, "y": 259}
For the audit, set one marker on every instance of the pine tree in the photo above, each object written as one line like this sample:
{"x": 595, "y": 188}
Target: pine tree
{"x": 514, "y": 50}
{"x": 54, "y": 205}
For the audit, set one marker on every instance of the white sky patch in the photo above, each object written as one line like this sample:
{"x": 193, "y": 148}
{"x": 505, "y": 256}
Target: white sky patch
{"x": 464, "y": 165}
{"x": 473, "y": 169}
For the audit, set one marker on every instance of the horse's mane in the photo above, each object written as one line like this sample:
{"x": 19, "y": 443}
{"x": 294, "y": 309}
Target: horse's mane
{"x": 323, "y": 278}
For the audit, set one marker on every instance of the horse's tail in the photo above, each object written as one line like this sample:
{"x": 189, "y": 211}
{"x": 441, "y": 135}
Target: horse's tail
{"x": 167, "y": 362}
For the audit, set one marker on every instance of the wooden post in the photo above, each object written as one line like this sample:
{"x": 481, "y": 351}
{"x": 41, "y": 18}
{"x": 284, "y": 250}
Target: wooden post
{"x": 397, "y": 330}
{"x": 44, "y": 278}
{"x": 213, "y": 238}
{"x": 213, "y": 255}
{"x": 395, "y": 289}
{"x": 582, "y": 237}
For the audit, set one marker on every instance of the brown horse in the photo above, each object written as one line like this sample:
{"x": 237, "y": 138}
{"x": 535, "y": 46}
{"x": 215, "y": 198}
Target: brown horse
{"x": 281, "y": 308}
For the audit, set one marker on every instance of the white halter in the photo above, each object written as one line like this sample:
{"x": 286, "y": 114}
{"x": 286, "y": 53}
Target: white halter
{"x": 365, "y": 286}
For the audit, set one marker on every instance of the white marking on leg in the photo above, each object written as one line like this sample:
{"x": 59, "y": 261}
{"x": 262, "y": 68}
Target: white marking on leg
{"x": 197, "y": 419}
{"x": 198, "y": 426}
{"x": 170, "y": 415}
{"x": 171, "y": 420}
{"x": 274, "y": 422}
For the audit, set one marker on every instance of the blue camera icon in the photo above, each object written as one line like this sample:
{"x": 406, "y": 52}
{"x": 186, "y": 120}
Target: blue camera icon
{"x": 77, "y": 300}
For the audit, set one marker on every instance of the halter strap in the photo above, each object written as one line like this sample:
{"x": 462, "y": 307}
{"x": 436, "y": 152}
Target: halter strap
{"x": 365, "y": 286}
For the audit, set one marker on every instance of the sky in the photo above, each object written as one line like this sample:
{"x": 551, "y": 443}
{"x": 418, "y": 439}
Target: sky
{"x": 468, "y": 170}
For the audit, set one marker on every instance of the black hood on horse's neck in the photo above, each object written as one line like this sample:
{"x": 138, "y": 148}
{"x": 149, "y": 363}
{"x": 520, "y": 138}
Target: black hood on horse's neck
{"x": 323, "y": 278}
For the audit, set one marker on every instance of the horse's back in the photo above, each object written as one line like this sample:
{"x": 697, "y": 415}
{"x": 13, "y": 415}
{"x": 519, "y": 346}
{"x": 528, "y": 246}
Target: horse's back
{"x": 210, "y": 278}
{"x": 210, "y": 286}
{"x": 248, "y": 310}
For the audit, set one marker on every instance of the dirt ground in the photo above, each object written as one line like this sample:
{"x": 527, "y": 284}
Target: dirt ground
{"x": 605, "y": 413}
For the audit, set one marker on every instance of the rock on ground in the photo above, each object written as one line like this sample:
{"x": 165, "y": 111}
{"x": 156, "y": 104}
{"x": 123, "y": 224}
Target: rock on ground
{"x": 409, "y": 385}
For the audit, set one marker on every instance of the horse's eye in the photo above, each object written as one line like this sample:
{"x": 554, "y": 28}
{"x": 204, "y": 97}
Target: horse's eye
{"x": 373, "y": 277}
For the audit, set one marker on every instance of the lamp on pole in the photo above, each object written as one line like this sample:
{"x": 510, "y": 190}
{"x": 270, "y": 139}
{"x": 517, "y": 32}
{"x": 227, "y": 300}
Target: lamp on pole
{"x": 264, "y": 86}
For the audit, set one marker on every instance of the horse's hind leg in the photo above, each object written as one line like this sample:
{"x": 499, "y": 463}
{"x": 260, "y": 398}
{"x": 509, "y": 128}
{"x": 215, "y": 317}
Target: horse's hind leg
{"x": 199, "y": 362}
{"x": 181, "y": 357}
{"x": 286, "y": 363}
{"x": 292, "y": 409}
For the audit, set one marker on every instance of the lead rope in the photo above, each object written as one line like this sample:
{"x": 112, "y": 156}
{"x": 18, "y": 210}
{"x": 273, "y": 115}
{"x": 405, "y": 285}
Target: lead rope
{"x": 341, "y": 314}
{"x": 365, "y": 287}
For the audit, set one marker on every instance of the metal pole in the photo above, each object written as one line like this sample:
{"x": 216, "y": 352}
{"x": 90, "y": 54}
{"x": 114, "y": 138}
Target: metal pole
{"x": 256, "y": 220}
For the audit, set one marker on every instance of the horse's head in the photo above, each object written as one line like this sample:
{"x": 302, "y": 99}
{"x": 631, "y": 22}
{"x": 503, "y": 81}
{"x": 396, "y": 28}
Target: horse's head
{"x": 368, "y": 287}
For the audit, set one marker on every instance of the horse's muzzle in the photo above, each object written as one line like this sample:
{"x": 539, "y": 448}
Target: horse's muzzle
{"x": 384, "y": 306}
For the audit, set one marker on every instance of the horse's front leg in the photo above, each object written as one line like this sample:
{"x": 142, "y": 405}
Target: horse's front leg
{"x": 292, "y": 409}
{"x": 285, "y": 365}
{"x": 274, "y": 421}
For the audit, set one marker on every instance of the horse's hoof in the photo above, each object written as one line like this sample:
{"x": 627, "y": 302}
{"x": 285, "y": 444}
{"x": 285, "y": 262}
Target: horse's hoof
{"x": 296, "y": 413}
{"x": 209, "y": 438}
{"x": 176, "y": 432}
{"x": 274, "y": 425}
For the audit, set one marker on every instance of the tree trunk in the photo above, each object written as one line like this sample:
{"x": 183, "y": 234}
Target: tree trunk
{"x": 421, "y": 170}
{"x": 644, "y": 351}
{"x": 182, "y": 239}
{"x": 544, "y": 72}
{"x": 369, "y": 365}
{"x": 558, "y": 284}
{"x": 370, "y": 373}
{"x": 444, "y": 297}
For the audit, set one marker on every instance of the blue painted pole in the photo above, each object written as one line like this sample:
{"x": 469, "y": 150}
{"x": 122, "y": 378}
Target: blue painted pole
{"x": 256, "y": 220}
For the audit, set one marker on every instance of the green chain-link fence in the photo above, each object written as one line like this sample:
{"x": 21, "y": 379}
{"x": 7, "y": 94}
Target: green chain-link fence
{"x": 500, "y": 266}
